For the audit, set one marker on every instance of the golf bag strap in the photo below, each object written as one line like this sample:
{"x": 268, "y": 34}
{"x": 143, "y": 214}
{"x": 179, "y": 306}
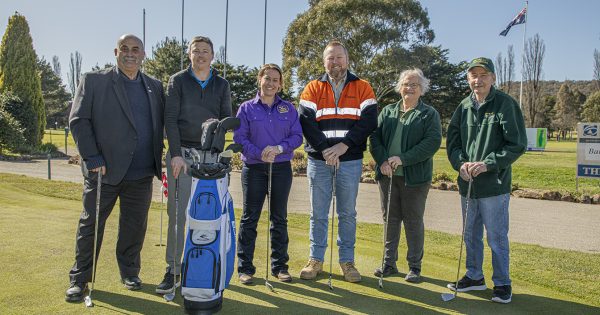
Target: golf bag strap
{"x": 204, "y": 225}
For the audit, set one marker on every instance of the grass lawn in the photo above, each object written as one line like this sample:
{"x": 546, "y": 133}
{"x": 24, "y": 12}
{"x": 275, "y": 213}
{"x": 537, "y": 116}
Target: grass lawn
{"x": 37, "y": 231}
{"x": 57, "y": 137}
{"x": 553, "y": 169}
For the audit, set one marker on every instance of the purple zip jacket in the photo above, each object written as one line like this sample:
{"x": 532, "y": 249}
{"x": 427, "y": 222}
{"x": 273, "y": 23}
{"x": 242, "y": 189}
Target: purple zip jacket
{"x": 261, "y": 125}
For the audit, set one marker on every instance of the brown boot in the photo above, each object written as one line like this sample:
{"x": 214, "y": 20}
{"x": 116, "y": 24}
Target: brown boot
{"x": 311, "y": 270}
{"x": 351, "y": 274}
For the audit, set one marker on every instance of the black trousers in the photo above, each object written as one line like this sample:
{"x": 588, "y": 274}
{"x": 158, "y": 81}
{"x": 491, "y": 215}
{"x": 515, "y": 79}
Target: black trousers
{"x": 255, "y": 178}
{"x": 407, "y": 206}
{"x": 134, "y": 197}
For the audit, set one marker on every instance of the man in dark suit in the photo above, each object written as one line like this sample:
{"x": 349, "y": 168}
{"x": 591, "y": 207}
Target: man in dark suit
{"x": 117, "y": 123}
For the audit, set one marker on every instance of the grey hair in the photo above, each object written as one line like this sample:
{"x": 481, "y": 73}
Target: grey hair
{"x": 423, "y": 81}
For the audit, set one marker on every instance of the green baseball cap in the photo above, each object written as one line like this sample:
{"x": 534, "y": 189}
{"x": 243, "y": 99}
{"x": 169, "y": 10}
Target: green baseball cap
{"x": 483, "y": 62}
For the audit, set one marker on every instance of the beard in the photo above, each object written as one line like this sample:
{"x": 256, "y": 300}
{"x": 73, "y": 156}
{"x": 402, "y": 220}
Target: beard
{"x": 337, "y": 73}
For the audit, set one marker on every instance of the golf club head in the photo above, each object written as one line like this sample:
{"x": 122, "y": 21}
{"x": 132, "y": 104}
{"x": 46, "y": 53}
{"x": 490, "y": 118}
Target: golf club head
{"x": 225, "y": 156}
{"x": 235, "y": 147}
{"x": 195, "y": 155}
{"x": 448, "y": 296}
{"x": 269, "y": 286}
{"x": 330, "y": 285}
{"x": 88, "y": 301}
{"x": 381, "y": 283}
{"x": 169, "y": 297}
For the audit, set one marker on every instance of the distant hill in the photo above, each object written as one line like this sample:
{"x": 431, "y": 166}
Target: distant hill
{"x": 551, "y": 87}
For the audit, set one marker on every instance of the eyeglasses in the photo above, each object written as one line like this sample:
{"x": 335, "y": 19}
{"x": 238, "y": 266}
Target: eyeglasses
{"x": 411, "y": 85}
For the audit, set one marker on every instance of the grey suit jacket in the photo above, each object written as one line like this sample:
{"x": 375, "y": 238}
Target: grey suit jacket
{"x": 102, "y": 122}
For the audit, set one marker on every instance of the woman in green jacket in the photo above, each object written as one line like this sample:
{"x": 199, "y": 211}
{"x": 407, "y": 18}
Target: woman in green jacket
{"x": 408, "y": 134}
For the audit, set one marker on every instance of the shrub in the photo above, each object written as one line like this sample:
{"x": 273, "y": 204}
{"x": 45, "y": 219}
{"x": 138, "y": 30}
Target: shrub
{"x": 48, "y": 148}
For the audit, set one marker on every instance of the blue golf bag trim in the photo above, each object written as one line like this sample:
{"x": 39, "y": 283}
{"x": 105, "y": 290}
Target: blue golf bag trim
{"x": 209, "y": 252}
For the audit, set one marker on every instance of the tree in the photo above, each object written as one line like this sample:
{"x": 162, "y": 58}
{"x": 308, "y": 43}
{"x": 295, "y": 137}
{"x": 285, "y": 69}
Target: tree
{"x": 533, "y": 60}
{"x": 447, "y": 82}
{"x": 166, "y": 59}
{"x": 19, "y": 75}
{"x": 566, "y": 109}
{"x": 597, "y": 68}
{"x": 383, "y": 37}
{"x": 505, "y": 70}
{"x": 106, "y": 66}
{"x": 242, "y": 82}
{"x": 56, "y": 66}
{"x": 55, "y": 95}
{"x": 74, "y": 72}
{"x": 580, "y": 99}
{"x": 591, "y": 108}
{"x": 546, "y": 120}
{"x": 11, "y": 133}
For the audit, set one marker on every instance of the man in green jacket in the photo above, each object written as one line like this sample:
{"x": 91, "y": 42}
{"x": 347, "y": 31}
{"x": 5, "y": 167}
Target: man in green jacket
{"x": 485, "y": 136}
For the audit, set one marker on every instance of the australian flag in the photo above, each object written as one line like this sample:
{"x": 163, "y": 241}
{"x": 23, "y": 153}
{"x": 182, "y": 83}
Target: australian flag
{"x": 519, "y": 19}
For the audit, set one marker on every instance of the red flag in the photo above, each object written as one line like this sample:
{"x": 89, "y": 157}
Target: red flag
{"x": 165, "y": 185}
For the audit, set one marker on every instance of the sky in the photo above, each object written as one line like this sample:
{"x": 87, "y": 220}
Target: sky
{"x": 467, "y": 28}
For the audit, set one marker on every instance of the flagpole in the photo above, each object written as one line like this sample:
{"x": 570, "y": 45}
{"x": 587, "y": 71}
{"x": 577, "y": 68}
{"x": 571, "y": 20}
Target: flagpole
{"x": 182, "y": 42}
{"x": 523, "y": 54}
{"x": 225, "y": 53}
{"x": 265, "y": 38}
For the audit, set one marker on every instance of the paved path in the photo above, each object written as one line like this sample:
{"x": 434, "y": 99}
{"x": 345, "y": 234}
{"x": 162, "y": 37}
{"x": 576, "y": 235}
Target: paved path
{"x": 554, "y": 224}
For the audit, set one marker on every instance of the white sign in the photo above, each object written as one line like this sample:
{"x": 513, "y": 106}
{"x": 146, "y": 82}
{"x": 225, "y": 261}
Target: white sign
{"x": 536, "y": 139}
{"x": 588, "y": 150}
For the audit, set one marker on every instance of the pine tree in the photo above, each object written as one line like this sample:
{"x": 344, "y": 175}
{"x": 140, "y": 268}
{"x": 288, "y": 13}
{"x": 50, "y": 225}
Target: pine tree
{"x": 166, "y": 59}
{"x": 19, "y": 75}
{"x": 55, "y": 95}
{"x": 591, "y": 108}
{"x": 566, "y": 109}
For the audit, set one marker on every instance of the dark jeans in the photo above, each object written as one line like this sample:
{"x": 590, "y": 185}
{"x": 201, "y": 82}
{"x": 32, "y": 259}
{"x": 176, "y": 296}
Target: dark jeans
{"x": 255, "y": 178}
{"x": 407, "y": 205}
{"x": 134, "y": 197}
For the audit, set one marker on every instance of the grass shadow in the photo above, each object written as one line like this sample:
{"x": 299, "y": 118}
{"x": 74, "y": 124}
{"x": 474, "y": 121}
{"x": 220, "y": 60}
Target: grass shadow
{"x": 135, "y": 304}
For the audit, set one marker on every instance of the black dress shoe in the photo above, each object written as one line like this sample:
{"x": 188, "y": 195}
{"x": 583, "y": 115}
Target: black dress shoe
{"x": 387, "y": 271}
{"x": 75, "y": 292}
{"x": 133, "y": 283}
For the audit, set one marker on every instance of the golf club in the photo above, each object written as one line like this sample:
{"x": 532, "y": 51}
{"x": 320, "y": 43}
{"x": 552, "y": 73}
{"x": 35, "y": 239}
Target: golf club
{"x": 88, "y": 299}
{"x": 267, "y": 284}
{"x": 451, "y": 296}
{"x": 332, "y": 226}
{"x": 385, "y": 225}
{"x": 171, "y": 295}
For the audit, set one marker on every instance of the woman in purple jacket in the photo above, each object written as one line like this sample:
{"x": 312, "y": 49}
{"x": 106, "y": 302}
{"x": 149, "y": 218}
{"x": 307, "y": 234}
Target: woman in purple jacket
{"x": 269, "y": 132}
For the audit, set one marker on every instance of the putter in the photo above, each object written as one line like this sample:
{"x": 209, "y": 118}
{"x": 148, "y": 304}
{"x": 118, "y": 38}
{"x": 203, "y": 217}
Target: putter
{"x": 385, "y": 224}
{"x": 171, "y": 295}
{"x": 451, "y": 296}
{"x": 267, "y": 284}
{"x": 332, "y": 227}
{"x": 88, "y": 298}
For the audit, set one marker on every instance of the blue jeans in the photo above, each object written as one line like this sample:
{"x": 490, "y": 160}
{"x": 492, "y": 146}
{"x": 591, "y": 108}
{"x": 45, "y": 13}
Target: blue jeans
{"x": 491, "y": 212}
{"x": 320, "y": 179}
